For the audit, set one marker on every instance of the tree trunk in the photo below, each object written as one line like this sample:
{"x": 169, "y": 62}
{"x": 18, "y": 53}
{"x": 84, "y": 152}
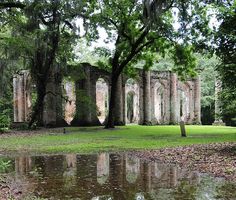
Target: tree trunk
{"x": 37, "y": 113}
{"x": 119, "y": 104}
{"x": 111, "y": 114}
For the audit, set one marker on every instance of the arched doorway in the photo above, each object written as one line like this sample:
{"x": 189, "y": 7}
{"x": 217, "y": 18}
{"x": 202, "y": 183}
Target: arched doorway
{"x": 132, "y": 101}
{"x": 184, "y": 104}
{"x": 130, "y": 107}
{"x": 159, "y": 103}
{"x": 102, "y": 99}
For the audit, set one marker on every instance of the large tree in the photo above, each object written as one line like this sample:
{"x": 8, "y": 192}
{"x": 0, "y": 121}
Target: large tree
{"x": 225, "y": 39}
{"x": 140, "y": 29}
{"x": 46, "y": 32}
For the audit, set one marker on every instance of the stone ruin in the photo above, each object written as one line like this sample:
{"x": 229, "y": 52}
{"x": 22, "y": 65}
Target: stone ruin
{"x": 22, "y": 96}
{"x": 153, "y": 97}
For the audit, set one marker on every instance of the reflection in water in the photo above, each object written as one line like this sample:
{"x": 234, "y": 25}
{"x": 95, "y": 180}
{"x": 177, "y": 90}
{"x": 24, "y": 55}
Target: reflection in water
{"x": 69, "y": 174}
{"x": 132, "y": 169}
{"x": 103, "y": 168}
{"x": 23, "y": 165}
{"x": 112, "y": 176}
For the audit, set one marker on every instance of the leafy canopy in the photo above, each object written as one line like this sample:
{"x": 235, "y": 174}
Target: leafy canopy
{"x": 140, "y": 29}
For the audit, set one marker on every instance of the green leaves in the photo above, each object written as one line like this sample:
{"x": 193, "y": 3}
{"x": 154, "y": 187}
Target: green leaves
{"x": 5, "y": 112}
{"x": 185, "y": 61}
{"x": 225, "y": 39}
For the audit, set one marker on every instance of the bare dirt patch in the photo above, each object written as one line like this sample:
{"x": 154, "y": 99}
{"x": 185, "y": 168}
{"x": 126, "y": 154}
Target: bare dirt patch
{"x": 218, "y": 159}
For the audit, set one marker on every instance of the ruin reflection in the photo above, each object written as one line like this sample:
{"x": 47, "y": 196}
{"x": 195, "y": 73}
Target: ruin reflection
{"x": 102, "y": 99}
{"x": 103, "y": 168}
{"x": 69, "y": 174}
{"x": 105, "y": 176}
{"x": 132, "y": 169}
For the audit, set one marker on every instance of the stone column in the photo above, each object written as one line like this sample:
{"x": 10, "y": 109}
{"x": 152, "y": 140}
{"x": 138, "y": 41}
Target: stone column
{"x": 173, "y": 98}
{"x": 146, "y": 98}
{"x": 197, "y": 101}
{"x": 83, "y": 102}
{"x": 218, "y": 116}
{"x": 119, "y": 104}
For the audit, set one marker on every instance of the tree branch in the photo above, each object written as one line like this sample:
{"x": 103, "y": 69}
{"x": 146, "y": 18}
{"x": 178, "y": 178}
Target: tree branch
{"x": 144, "y": 45}
{"x": 133, "y": 51}
{"x": 56, "y": 94}
{"x": 115, "y": 59}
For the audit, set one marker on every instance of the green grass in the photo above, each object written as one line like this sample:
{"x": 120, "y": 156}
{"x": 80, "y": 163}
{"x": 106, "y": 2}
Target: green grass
{"x": 96, "y": 139}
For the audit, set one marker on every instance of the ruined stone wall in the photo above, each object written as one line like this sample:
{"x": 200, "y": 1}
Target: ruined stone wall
{"x": 157, "y": 98}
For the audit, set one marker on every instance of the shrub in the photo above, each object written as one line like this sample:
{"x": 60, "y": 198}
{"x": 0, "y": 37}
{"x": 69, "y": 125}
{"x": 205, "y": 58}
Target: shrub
{"x": 4, "y": 165}
{"x": 5, "y": 113}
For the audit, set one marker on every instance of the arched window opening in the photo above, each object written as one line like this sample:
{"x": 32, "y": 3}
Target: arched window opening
{"x": 130, "y": 107}
{"x": 102, "y": 99}
{"x": 132, "y": 101}
{"x": 159, "y": 103}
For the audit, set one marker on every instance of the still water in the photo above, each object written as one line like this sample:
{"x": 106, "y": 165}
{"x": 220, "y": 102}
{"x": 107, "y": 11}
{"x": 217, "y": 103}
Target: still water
{"x": 113, "y": 177}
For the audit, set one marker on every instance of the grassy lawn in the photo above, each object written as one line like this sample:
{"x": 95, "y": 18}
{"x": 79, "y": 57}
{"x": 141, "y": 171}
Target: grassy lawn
{"x": 95, "y": 139}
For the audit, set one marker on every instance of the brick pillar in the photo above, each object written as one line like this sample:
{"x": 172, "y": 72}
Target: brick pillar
{"x": 173, "y": 98}
{"x": 197, "y": 101}
{"x": 146, "y": 98}
{"x": 119, "y": 104}
{"x": 22, "y": 96}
